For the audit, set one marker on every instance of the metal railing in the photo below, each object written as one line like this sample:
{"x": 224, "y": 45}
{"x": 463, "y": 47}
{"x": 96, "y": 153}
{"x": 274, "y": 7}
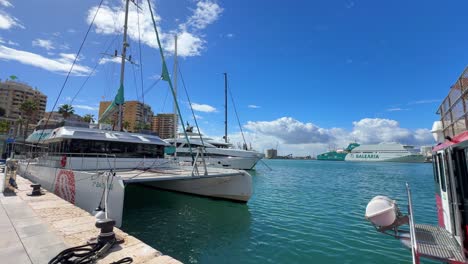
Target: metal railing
{"x": 414, "y": 242}
{"x": 195, "y": 162}
{"x": 110, "y": 159}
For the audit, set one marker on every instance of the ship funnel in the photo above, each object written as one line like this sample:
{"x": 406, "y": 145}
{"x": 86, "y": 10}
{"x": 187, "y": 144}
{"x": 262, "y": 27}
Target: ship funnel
{"x": 437, "y": 132}
{"x": 384, "y": 213}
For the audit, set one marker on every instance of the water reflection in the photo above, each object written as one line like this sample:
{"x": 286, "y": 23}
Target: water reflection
{"x": 183, "y": 226}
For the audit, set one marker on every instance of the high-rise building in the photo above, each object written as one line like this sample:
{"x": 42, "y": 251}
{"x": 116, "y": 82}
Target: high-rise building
{"x": 163, "y": 125}
{"x": 13, "y": 94}
{"x": 136, "y": 115}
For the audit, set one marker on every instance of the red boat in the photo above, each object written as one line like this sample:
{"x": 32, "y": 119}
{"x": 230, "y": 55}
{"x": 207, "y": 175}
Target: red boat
{"x": 447, "y": 242}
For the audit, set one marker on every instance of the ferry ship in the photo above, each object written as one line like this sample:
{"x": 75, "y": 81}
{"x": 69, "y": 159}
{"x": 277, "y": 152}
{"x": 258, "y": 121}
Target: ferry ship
{"x": 390, "y": 152}
{"x": 337, "y": 155}
{"x": 448, "y": 241}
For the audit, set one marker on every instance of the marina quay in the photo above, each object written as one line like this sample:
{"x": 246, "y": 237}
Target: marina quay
{"x": 213, "y": 131}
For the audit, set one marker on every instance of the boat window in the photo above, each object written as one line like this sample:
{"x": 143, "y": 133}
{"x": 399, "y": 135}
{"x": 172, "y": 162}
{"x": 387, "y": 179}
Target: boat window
{"x": 119, "y": 149}
{"x": 434, "y": 167}
{"x": 441, "y": 165}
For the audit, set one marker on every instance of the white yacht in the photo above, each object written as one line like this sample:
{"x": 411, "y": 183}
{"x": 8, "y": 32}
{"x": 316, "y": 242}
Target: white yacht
{"x": 216, "y": 153}
{"x": 392, "y": 152}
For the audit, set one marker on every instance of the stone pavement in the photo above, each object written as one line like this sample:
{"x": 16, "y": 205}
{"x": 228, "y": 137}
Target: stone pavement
{"x": 35, "y": 229}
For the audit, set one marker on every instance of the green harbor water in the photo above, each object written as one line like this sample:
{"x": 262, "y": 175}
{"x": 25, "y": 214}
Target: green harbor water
{"x": 302, "y": 211}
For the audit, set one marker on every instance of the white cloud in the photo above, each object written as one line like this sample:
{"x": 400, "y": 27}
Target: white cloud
{"x": 290, "y": 130}
{"x": 426, "y": 101}
{"x": 59, "y": 65}
{"x": 230, "y": 35}
{"x": 253, "y": 106}
{"x": 206, "y": 13}
{"x": 12, "y": 43}
{"x": 203, "y": 108}
{"x": 377, "y": 130}
{"x": 71, "y": 30}
{"x": 396, "y": 109}
{"x": 112, "y": 59}
{"x": 7, "y": 21}
{"x": 43, "y": 43}
{"x": 5, "y": 3}
{"x": 301, "y": 138}
{"x": 190, "y": 42}
{"x": 86, "y": 107}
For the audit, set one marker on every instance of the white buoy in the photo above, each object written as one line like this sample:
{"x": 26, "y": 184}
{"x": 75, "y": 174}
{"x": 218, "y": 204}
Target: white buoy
{"x": 382, "y": 211}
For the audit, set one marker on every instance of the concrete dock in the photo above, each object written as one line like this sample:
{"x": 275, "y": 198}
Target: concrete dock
{"x": 34, "y": 229}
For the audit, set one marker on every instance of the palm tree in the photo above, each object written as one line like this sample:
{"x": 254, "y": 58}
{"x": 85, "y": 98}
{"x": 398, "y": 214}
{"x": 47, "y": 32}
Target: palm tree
{"x": 126, "y": 124}
{"x": 88, "y": 118}
{"x": 66, "y": 110}
{"x": 28, "y": 109}
{"x": 4, "y": 126}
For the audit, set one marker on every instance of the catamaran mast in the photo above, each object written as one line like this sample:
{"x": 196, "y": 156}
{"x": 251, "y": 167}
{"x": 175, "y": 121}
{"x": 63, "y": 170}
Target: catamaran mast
{"x": 225, "y": 108}
{"x": 175, "y": 86}
{"x": 122, "y": 65}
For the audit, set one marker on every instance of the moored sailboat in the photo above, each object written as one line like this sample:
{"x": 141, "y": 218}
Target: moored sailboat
{"x": 87, "y": 166}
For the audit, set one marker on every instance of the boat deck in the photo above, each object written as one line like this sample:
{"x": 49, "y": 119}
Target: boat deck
{"x": 170, "y": 174}
{"x": 437, "y": 243}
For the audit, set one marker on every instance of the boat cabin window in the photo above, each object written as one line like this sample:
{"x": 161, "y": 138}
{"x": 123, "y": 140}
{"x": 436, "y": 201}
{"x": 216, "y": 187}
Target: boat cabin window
{"x": 434, "y": 167}
{"x": 120, "y": 149}
{"x": 440, "y": 165}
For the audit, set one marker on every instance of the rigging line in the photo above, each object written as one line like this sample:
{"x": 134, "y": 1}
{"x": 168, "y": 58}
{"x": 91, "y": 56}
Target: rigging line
{"x": 164, "y": 103}
{"x": 141, "y": 60}
{"x": 237, "y": 116}
{"x": 94, "y": 69}
{"x": 69, "y": 72}
{"x": 168, "y": 79}
{"x": 190, "y": 104}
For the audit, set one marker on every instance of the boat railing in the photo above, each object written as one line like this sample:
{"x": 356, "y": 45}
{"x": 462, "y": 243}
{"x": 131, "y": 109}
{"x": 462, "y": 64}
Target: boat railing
{"x": 414, "y": 244}
{"x": 68, "y": 159}
{"x": 195, "y": 170}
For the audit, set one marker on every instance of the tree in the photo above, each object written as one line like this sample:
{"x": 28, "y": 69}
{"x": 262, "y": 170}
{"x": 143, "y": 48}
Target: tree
{"x": 126, "y": 125}
{"x": 13, "y": 77}
{"x": 28, "y": 110}
{"x": 88, "y": 118}
{"x": 4, "y": 126}
{"x": 2, "y": 111}
{"x": 66, "y": 110}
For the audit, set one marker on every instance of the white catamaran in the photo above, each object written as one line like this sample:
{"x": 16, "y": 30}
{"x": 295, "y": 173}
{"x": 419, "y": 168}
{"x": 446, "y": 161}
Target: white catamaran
{"x": 81, "y": 164}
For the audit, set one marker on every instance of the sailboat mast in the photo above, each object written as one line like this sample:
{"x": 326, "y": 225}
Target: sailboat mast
{"x": 122, "y": 65}
{"x": 175, "y": 86}
{"x": 225, "y": 109}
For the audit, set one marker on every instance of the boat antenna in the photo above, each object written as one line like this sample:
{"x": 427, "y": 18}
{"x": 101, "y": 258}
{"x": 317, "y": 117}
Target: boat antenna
{"x": 225, "y": 108}
{"x": 165, "y": 76}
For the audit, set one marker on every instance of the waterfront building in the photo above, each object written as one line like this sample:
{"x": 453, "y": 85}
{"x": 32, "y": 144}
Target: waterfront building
{"x": 163, "y": 125}
{"x": 13, "y": 94}
{"x": 59, "y": 117}
{"x": 271, "y": 153}
{"x": 136, "y": 115}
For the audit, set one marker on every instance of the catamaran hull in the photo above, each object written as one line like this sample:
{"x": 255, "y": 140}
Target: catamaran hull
{"x": 83, "y": 189}
{"x": 236, "y": 187}
{"x": 238, "y": 163}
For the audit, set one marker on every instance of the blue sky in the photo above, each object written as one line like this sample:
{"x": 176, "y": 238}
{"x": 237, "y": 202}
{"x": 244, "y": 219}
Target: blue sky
{"x": 319, "y": 72}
